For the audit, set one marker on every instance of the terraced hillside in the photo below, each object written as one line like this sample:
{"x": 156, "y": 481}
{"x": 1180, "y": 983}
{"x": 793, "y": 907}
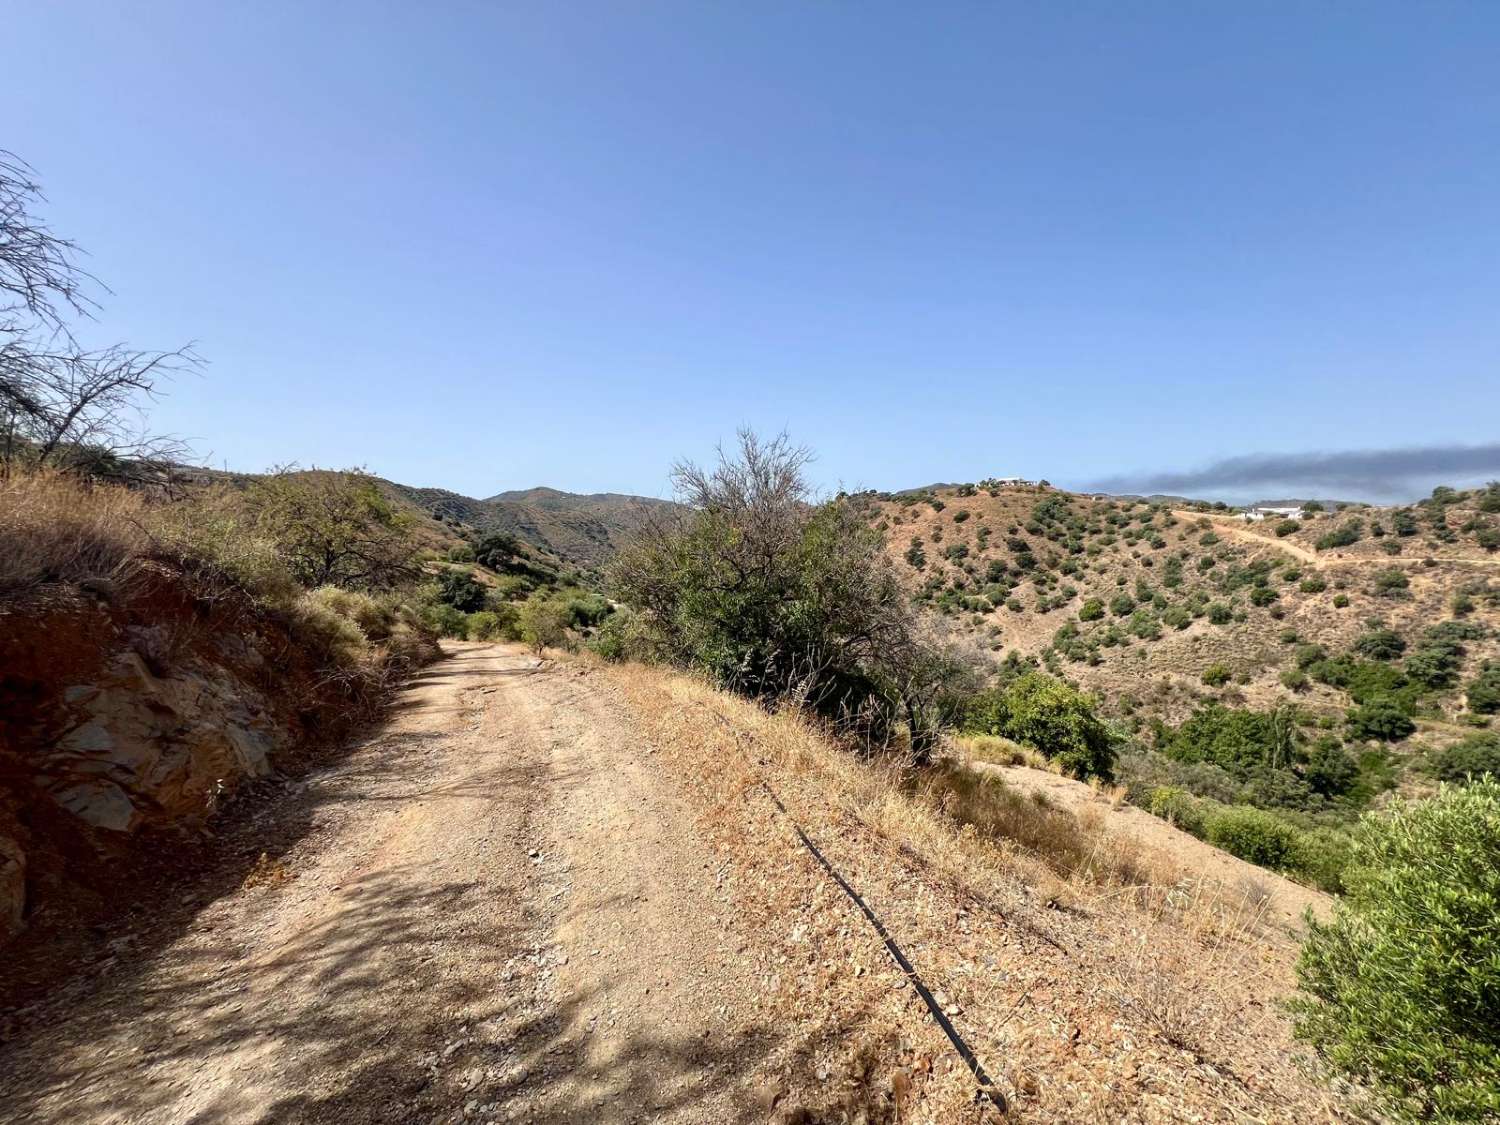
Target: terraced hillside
{"x": 1161, "y": 610}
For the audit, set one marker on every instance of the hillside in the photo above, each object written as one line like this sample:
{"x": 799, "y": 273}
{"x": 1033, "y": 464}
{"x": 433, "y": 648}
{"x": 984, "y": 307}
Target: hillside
{"x": 1163, "y": 609}
{"x": 584, "y": 530}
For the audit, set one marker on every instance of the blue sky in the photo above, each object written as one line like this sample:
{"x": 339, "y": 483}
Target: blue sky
{"x": 486, "y": 246}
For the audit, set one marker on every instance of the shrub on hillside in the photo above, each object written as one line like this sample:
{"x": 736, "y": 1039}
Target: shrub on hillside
{"x": 443, "y": 620}
{"x": 1177, "y": 806}
{"x": 1346, "y": 534}
{"x": 542, "y": 622}
{"x": 1053, "y": 717}
{"x": 1216, "y": 675}
{"x": 1235, "y": 739}
{"x": 1400, "y": 988}
{"x": 1177, "y": 617}
{"x": 1321, "y": 857}
{"x": 1380, "y": 644}
{"x": 461, "y": 590}
{"x": 333, "y": 529}
{"x": 1091, "y": 610}
{"x": 773, "y": 596}
{"x": 1475, "y": 756}
{"x": 1483, "y": 691}
{"x": 1252, "y": 834}
{"x": 1381, "y": 718}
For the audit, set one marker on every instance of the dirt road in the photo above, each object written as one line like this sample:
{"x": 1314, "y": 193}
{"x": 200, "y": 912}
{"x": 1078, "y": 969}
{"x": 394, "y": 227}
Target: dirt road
{"x": 501, "y": 914}
{"x": 1236, "y": 528}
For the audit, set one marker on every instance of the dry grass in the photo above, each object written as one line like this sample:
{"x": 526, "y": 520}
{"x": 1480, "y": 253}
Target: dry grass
{"x": 1077, "y": 847}
{"x": 54, "y": 528}
{"x": 1149, "y": 996}
{"x": 999, "y": 751}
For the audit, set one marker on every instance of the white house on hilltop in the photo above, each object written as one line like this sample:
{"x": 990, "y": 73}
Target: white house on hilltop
{"x": 1255, "y": 515}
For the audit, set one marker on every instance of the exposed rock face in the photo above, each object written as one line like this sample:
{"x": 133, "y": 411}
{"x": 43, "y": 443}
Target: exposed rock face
{"x": 116, "y": 719}
{"x": 138, "y": 746}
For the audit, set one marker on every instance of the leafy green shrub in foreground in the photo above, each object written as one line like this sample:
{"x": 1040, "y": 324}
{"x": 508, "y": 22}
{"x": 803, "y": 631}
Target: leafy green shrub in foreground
{"x": 1401, "y": 987}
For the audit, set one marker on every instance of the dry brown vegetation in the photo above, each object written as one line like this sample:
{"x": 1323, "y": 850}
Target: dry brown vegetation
{"x": 1131, "y": 542}
{"x": 1095, "y": 980}
{"x": 55, "y": 529}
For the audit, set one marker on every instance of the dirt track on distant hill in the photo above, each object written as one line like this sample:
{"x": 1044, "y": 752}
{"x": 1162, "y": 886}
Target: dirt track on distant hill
{"x": 1236, "y": 528}
{"x": 501, "y": 914}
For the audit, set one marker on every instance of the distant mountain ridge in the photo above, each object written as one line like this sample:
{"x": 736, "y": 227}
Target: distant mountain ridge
{"x": 584, "y": 529}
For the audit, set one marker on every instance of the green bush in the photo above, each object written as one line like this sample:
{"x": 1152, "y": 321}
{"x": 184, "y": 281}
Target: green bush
{"x": 768, "y": 594}
{"x": 1177, "y": 617}
{"x": 1252, "y": 834}
{"x": 1483, "y": 691}
{"x": 1390, "y": 583}
{"x": 1476, "y": 755}
{"x": 1344, "y": 535}
{"x": 1286, "y": 527}
{"x": 1321, "y": 857}
{"x": 1216, "y": 675}
{"x": 1175, "y": 804}
{"x": 621, "y": 637}
{"x": 1313, "y": 584}
{"x": 1220, "y": 614}
{"x": 445, "y": 621}
{"x": 1091, "y": 610}
{"x": 1340, "y": 601}
{"x": 1380, "y": 644}
{"x": 1400, "y": 988}
{"x": 1060, "y": 721}
{"x": 1381, "y": 718}
{"x": 543, "y": 622}
{"x": 461, "y": 590}
{"x": 483, "y": 626}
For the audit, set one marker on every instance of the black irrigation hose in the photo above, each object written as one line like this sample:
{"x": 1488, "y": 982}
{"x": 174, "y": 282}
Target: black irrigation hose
{"x": 971, "y": 1060}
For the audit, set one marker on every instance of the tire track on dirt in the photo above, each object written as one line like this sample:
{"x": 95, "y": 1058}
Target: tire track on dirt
{"x": 502, "y": 913}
